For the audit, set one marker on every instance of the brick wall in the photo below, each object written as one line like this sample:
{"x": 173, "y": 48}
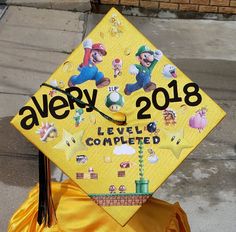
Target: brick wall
{"x": 202, "y": 6}
{"x": 123, "y": 200}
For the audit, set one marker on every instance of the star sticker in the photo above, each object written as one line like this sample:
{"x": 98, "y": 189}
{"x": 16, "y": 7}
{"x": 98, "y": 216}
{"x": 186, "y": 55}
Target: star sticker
{"x": 175, "y": 142}
{"x": 71, "y": 143}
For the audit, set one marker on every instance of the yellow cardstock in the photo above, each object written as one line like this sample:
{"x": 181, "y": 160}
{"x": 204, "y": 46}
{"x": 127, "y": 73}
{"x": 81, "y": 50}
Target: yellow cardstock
{"x": 117, "y": 70}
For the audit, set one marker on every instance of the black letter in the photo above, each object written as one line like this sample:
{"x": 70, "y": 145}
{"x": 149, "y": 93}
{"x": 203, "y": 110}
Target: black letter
{"x": 32, "y": 116}
{"x": 100, "y": 131}
{"x": 88, "y": 141}
{"x": 43, "y": 112}
{"x": 53, "y": 108}
{"x": 91, "y": 101}
{"x": 72, "y": 100}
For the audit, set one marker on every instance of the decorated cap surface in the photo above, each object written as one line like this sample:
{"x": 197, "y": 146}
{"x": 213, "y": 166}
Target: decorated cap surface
{"x": 118, "y": 166}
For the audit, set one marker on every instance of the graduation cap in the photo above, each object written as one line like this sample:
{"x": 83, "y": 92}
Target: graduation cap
{"x": 118, "y": 117}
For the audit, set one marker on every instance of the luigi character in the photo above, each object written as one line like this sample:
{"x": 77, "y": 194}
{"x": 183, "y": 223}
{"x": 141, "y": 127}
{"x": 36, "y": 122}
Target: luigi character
{"x": 114, "y": 101}
{"x": 147, "y": 59}
{"x": 93, "y": 55}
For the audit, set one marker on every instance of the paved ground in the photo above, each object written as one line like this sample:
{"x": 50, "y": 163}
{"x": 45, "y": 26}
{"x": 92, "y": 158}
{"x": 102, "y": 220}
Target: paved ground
{"x": 33, "y": 42}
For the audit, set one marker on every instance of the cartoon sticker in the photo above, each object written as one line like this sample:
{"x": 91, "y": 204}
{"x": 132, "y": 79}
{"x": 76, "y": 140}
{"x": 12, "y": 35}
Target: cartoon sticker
{"x": 116, "y": 26}
{"x": 199, "y": 120}
{"x": 47, "y": 132}
{"x": 78, "y": 117}
{"x": 93, "y": 55}
{"x": 55, "y": 83}
{"x": 122, "y": 188}
{"x": 81, "y": 159}
{"x": 107, "y": 159}
{"x": 114, "y": 101}
{"x": 152, "y": 158}
{"x": 112, "y": 189}
{"x": 147, "y": 59}
{"x": 117, "y": 66}
{"x": 152, "y": 128}
{"x": 169, "y": 71}
{"x": 71, "y": 143}
{"x": 127, "y": 164}
{"x": 175, "y": 142}
{"x": 121, "y": 173}
{"x": 124, "y": 149}
{"x": 169, "y": 117}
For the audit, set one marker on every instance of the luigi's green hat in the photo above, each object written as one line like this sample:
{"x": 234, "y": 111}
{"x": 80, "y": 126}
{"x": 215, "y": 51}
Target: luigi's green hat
{"x": 114, "y": 98}
{"x": 142, "y": 49}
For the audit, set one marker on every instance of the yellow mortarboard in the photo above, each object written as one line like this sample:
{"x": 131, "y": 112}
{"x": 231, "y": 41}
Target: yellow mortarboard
{"x": 117, "y": 117}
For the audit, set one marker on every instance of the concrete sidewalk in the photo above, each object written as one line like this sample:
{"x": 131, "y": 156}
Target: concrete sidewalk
{"x": 34, "y": 42}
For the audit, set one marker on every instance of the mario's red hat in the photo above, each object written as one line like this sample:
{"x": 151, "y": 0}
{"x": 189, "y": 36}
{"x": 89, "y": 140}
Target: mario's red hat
{"x": 100, "y": 47}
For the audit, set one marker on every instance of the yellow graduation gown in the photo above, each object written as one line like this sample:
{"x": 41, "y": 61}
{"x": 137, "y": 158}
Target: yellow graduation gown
{"x": 76, "y": 212}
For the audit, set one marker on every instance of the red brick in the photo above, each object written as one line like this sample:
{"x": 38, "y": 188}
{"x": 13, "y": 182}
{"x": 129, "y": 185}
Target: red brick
{"x": 188, "y": 7}
{"x": 219, "y": 2}
{"x": 159, "y": 0}
{"x": 232, "y": 3}
{"x": 208, "y": 9}
{"x": 149, "y": 5}
{"x": 168, "y": 6}
{"x": 129, "y": 2}
{"x": 113, "y": 2}
{"x": 180, "y": 1}
{"x": 200, "y": 2}
{"x": 227, "y": 10}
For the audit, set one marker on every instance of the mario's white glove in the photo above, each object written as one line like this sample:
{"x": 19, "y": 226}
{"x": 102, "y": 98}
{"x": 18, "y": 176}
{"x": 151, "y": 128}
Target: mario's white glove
{"x": 88, "y": 43}
{"x": 157, "y": 55}
{"x": 133, "y": 70}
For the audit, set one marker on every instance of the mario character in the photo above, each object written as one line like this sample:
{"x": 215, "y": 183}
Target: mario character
{"x": 148, "y": 59}
{"x": 93, "y": 55}
{"x": 117, "y": 66}
{"x": 114, "y": 101}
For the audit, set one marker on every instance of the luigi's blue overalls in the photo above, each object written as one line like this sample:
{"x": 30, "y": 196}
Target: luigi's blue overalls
{"x": 143, "y": 78}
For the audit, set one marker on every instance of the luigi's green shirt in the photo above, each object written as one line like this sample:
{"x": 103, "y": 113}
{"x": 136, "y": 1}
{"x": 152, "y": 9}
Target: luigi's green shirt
{"x": 146, "y": 70}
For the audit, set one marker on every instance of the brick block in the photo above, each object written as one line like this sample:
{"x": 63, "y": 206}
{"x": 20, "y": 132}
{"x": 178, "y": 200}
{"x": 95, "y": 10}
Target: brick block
{"x": 232, "y": 3}
{"x": 149, "y": 5}
{"x": 168, "y": 6}
{"x": 188, "y": 7}
{"x": 159, "y": 0}
{"x": 93, "y": 175}
{"x": 110, "y": 2}
{"x": 129, "y": 2}
{"x": 208, "y": 9}
{"x": 227, "y": 10}
{"x": 121, "y": 174}
{"x": 180, "y": 1}
{"x": 200, "y": 2}
{"x": 220, "y": 2}
{"x": 79, "y": 175}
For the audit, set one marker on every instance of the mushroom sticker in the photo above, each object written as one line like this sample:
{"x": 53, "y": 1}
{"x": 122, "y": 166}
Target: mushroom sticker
{"x": 114, "y": 101}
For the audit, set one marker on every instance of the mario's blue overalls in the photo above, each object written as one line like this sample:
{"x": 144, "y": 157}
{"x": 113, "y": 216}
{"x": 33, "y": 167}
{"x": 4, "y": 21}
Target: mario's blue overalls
{"x": 143, "y": 78}
{"x": 89, "y": 72}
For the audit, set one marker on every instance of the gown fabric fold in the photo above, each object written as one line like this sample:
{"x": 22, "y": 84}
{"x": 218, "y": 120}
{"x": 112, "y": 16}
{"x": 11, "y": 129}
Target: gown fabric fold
{"x": 76, "y": 212}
